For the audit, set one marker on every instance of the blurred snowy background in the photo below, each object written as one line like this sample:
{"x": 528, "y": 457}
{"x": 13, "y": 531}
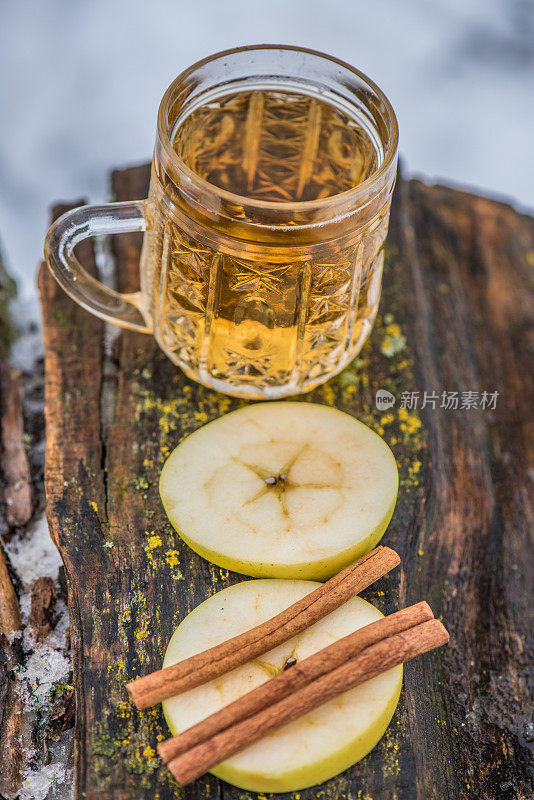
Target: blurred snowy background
{"x": 80, "y": 84}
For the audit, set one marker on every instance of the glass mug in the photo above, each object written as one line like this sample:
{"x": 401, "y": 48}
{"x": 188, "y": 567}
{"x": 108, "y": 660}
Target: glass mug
{"x": 264, "y": 228}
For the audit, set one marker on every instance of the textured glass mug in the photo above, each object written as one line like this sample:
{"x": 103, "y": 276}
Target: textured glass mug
{"x": 254, "y": 298}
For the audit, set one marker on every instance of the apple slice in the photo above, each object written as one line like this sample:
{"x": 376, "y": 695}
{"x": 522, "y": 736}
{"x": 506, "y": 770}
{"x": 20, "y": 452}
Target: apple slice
{"x": 281, "y": 490}
{"x": 311, "y": 749}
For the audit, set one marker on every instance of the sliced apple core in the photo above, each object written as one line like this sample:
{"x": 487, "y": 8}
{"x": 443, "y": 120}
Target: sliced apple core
{"x": 284, "y": 490}
{"x": 315, "y": 747}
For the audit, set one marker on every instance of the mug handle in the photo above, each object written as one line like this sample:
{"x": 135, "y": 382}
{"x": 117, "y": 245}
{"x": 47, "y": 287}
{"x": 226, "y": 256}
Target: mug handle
{"x": 83, "y": 223}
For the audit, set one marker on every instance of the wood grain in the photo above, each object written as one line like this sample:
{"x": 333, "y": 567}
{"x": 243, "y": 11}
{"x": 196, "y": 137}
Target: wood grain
{"x": 456, "y": 315}
{"x": 15, "y": 466}
{"x": 9, "y": 602}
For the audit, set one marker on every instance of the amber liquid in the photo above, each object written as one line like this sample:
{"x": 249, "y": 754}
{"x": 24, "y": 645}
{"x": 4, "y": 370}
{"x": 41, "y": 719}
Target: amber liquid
{"x": 251, "y": 326}
{"x": 276, "y": 146}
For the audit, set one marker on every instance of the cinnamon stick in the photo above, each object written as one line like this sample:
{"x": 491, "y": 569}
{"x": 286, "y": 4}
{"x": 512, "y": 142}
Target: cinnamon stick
{"x": 368, "y": 664}
{"x": 222, "y": 658}
{"x": 295, "y": 678}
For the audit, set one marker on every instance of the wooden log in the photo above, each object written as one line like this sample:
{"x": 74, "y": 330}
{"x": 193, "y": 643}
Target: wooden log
{"x": 470, "y": 260}
{"x": 455, "y": 312}
{"x": 27, "y": 725}
{"x": 74, "y": 354}
{"x": 17, "y": 723}
{"x": 43, "y": 601}
{"x": 15, "y": 466}
{"x": 9, "y": 602}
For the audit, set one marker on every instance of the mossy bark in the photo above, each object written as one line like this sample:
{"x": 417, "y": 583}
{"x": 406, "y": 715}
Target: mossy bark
{"x": 454, "y": 315}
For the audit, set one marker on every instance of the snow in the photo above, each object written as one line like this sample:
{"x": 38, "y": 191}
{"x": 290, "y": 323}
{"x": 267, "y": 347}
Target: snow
{"x": 47, "y": 664}
{"x": 34, "y": 554}
{"x": 52, "y": 781}
{"x": 44, "y": 668}
{"x": 47, "y": 667}
{"x": 28, "y": 347}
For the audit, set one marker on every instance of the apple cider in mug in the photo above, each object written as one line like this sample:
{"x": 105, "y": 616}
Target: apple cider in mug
{"x": 283, "y": 317}
{"x": 264, "y": 228}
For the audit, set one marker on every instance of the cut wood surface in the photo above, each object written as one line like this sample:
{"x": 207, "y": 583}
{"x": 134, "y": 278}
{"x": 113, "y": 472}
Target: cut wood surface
{"x": 456, "y": 316}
